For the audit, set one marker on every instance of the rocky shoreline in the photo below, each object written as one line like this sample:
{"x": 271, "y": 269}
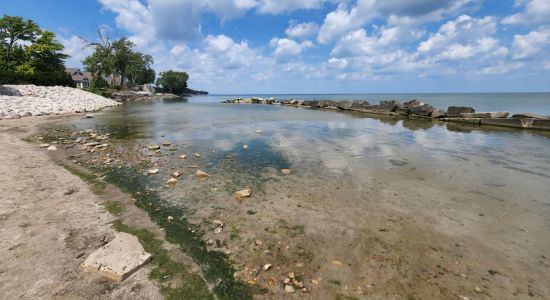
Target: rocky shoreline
{"x": 29, "y": 100}
{"x": 129, "y": 96}
{"x": 415, "y": 109}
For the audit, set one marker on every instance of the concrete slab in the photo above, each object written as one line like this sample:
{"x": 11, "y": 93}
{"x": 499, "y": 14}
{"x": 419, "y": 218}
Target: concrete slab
{"x": 118, "y": 259}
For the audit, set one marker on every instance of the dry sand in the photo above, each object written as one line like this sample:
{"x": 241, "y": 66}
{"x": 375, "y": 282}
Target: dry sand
{"x": 50, "y": 222}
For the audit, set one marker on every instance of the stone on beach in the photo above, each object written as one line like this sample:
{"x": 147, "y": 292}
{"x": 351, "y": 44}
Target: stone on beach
{"x": 153, "y": 171}
{"x": 166, "y": 143}
{"x": 201, "y": 174}
{"x": 44, "y": 145}
{"x": 153, "y": 147}
{"x": 52, "y": 148}
{"x": 286, "y": 171}
{"x": 243, "y": 193}
{"x": 486, "y": 115}
{"x": 118, "y": 259}
{"x": 172, "y": 181}
{"x": 183, "y": 156}
{"x": 176, "y": 174}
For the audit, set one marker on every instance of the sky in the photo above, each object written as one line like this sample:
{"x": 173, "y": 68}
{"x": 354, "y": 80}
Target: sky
{"x": 320, "y": 46}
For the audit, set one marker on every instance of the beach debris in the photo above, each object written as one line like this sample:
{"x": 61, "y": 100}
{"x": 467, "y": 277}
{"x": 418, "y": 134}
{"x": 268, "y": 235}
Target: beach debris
{"x": 166, "y": 143}
{"x": 197, "y": 155}
{"x": 172, "y": 181}
{"x": 201, "y": 174}
{"x": 286, "y": 171}
{"x": 44, "y": 145}
{"x": 153, "y": 171}
{"x": 219, "y": 225}
{"x": 289, "y": 289}
{"x": 118, "y": 259}
{"x": 259, "y": 131}
{"x": 243, "y": 193}
{"x": 52, "y": 148}
{"x": 183, "y": 156}
{"x": 153, "y": 147}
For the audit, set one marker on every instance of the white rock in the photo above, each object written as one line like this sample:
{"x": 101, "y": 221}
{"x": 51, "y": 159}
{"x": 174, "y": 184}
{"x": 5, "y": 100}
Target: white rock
{"x": 172, "y": 181}
{"x": 201, "y": 174}
{"x": 118, "y": 259}
{"x": 153, "y": 171}
{"x": 243, "y": 193}
{"x": 183, "y": 156}
{"x": 286, "y": 171}
{"x": 44, "y": 145}
{"x": 52, "y": 148}
{"x": 289, "y": 289}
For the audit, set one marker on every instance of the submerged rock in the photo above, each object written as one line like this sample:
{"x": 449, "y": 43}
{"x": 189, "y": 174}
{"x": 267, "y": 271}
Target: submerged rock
{"x": 201, "y": 174}
{"x": 183, "y": 156}
{"x": 286, "y": 171}
{"x": 243, "y": 193}
{"x": 172, "y": 181}
{"x": 153, "y": 171}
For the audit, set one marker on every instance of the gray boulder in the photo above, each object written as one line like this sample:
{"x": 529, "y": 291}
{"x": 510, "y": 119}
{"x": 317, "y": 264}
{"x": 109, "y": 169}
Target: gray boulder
{"x": 324, "y": 103}
{"x": 438, "y": 113}
{"x": 422, "y": 110}
{"x": 412, "y": 103}
{"x": 359, "y": 105}
{"x": 529, "y": 116}
{"x": 388, "y": 105}
{"x": 344, "y": 104}
{"x": 311, "y": 103}
{"x": 456, "y": 111}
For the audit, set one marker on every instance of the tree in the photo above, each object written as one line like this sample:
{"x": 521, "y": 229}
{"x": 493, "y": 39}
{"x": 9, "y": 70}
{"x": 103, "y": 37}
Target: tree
{"x": 140, "y": 71}
{"x": 39, "y": 60}
{"x": 118, "y": 57}
{"x": 172, "y": 82}
{"x": 13, "y": 30}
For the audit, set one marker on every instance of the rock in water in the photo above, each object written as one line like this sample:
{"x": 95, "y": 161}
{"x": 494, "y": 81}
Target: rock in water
{"x": 201, "y": 174}
{"x": 52, "y": 148}
{"x": 456, "y": 111}
{"x": 89, "y": 116}
{"x": 153, "y": 171}
{"x": 166, "y": 143}
{"x": 176, "y": 174}
{"x": 153, "y": 147}
{"x": 243, "y": 193}
{"x": 183, "y": 156}
{"x": 44, "y": 145}
{"x": 286, "y": 171}
{"x": 172, "y": 181}
{"x": 118, "y": 259}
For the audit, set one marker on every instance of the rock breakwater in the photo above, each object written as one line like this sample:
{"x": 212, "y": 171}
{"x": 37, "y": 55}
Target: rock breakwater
{"x": 415, "y": 109}
{"x": 30, "y": 100}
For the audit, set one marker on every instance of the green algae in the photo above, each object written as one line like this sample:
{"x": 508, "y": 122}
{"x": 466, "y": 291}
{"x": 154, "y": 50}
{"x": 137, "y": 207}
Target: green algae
{"x": 216, "y": 267}
{"x": 114, "y": 207}
{"x": 97, "y": 186}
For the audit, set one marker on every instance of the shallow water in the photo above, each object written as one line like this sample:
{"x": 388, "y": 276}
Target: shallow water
{"x": 352, "y": 178}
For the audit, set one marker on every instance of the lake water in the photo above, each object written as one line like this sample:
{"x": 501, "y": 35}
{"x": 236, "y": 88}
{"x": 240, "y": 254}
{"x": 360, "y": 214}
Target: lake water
{"x": 483, "y": 102}
{"x": 379, "y": 207}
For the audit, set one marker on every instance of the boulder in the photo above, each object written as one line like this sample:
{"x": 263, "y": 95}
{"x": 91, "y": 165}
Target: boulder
{"x": 324, "y": 103}
{"x": 311, "y": 103}
{"x": 529, "y": 116}
{"x": 344, "y": 104}
{"x": 541, "y": 124}
{"x": 412, "y": 103}
{"x": 359, "y": 105}
{"x": 456, "y": 111}
{"x": 388, "y": 105}
{"x": 513, "y": 123}
{"x": 118, "y": 259}
{"x": 422, "y": 110}
{"x": 52, "y": 148}
{"x": 402, "y": 111}
{"x": 201, "y": 174}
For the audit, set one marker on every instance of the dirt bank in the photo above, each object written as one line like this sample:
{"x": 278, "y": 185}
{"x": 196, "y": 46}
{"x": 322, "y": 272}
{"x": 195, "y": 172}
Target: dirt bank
{"x": 50, "y": 222}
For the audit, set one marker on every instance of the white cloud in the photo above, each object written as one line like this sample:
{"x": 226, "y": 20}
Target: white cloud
{"x": 302, "y": 30}
{"x": 535, "y": 11}
{"x": 280, "y": 6}
{"x": 525, "y": 46}
{"x": 286, "y": 49}
{"x": 501, "y": 68}
{"x": 76, "y": 49}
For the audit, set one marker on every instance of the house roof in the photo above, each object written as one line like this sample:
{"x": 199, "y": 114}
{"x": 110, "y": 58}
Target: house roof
{"x": 78, "y": 75}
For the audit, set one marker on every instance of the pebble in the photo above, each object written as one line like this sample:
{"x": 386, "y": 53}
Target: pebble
{"x": 153, "y": 171}
{"x": 166, "y": 143}
{"x": 259, "y": 131}
{"x": 170, "y": 218}
{"x": 52, "y": 148}
{"x": 183, "y": 156}
{"x": 336, "y": 262}
{"x": 44, "y": 145}
{"x": 172, "y": 181}
{"x": 245, "y": 146}
{"x": 197, "y": 155}
{"x": 176, "y": 174}
{"x": 89, "y": 116}
{"x": 259, "y": 243}
{"x": 315, "y": 281}
{"x": 201, "y": 174}
{"x": 286, "y": 171}
{"x": 153, "y": 147}
{"x": 289, "y": 289}
{"x": 267, "y": 267}
{"x": 243, "y": 193}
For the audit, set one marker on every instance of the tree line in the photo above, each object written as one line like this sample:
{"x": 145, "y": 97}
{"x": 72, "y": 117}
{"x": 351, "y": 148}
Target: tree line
{"x": 29, "y": 54}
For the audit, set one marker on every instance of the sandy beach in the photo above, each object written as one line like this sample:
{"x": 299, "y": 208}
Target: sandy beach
{"x": 50, "y": 222}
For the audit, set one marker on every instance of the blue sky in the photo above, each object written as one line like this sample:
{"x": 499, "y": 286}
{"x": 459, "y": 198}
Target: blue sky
{"x": 320, "y": 46}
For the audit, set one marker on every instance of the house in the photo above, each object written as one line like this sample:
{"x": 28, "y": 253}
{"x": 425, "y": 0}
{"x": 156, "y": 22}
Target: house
{"x": 81, "y": 79}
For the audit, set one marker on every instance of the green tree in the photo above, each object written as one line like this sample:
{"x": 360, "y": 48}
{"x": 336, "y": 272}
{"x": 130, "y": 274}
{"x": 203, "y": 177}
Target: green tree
{"x": 172, "y": 82}
{"x": 140, "y": 71}
{"x": 13, "y": 30}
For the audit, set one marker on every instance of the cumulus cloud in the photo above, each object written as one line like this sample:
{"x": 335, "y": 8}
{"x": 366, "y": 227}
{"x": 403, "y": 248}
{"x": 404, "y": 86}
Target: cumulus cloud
{"x": 302, "y": 30}
{"x": 76, "y": 49}
{"x": 534, "y": 11}
{"x": 286, "y": 49}
{"x": 526, "y": 46}
{"x": 397, "y": 12}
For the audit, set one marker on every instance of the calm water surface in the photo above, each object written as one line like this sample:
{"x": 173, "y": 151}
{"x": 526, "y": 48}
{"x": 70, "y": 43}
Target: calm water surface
{"x": 485, "y": 190}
